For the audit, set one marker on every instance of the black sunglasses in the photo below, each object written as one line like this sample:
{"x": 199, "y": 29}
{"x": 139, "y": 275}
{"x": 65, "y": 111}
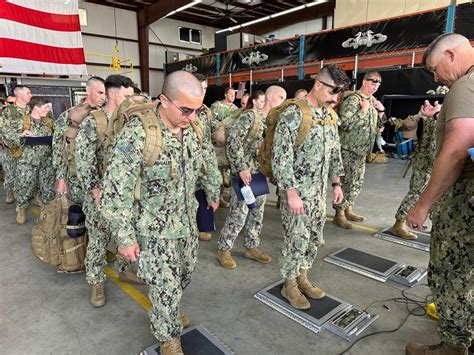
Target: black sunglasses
{"x": 375, "y": 81}
{"x": 335, "y": 89}
{"x": 184, "y": 110}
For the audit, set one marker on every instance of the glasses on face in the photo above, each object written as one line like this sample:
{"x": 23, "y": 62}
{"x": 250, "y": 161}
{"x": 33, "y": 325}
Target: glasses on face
{"x": 184, "y": 110}
{"x": 375, "y": 81}
{"x": 335, "y": 89}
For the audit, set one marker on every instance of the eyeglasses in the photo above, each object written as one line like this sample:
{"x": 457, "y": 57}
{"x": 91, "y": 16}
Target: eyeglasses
{"x": 184, "y": 110}
{"x": 375, "y": 81}
{"x": 335, "y": 89}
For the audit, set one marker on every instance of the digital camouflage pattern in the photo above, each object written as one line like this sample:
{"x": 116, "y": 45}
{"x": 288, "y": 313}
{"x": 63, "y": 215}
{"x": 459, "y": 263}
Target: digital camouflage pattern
{"x": 220, "y": 110}
{"x": 422, "y": 165}
{"x": 242, "y": 153}
{"x": 75, "y": 193}
{"x": 450, "y": 271}
{"x": 357, "y": 132}
{"x": 89, "y": 156}
{"x": 163, "y": 221}
{"x": 9, "y": 115}
{"x": 306, "y": 168}
{"x": 34, "y": 168}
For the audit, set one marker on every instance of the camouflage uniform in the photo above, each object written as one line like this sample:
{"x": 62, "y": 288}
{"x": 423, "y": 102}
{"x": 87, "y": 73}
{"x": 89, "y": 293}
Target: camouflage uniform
{"x": 220, "y": 110}
{"x": 357, "y": 133}
{"x": 242, "y": 152}
{"x": 10, "y": 115}
{"x": 306, "y": 169}
{"x": 89, "y": 156}
{"x": 422, "y": 164}
{"x": 60, "y": 165}
{"x": 163, "y": 221}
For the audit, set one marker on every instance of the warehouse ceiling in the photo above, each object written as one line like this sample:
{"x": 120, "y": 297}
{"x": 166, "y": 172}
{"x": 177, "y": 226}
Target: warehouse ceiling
{"x": 226, "y": 13}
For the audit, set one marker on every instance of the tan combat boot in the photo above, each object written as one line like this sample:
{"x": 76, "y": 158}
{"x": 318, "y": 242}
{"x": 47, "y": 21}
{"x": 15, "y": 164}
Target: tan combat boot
{"x": 401, "y": 229}
{"x": 256, "y": 254}
{"x": 226, "y": 180}
{"x": 205, "y": 236}
{"x": 307, "y": 287}
{"x": 293, "y": 294}
{"x": 226, "y": 259}
{"x": 20, "y": 215}
{"x": 223, "y": 203}
{"x": 341, "y": 220}
{"x": 351, "y": 216}
{"x": 109, "y": 256}
{"x": 130, "y": 277}
{"x": 9, "y": 197}
{"x": 98, "y": 295}
{"x": 171, "y": 347}
{"x": 185, "y": 321}
{"x": 438, "y": 349}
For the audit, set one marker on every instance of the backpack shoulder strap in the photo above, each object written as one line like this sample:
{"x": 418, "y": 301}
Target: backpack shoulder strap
{"x": 306, "y": 122}
{"x": 209, "y": 114}
{"x": 198, "y": 129}
{"x": 26, "y": 122}
{"x": 257, "y": 125}
{"x": 153, "y": 137}
{"x": 101, "y": 122}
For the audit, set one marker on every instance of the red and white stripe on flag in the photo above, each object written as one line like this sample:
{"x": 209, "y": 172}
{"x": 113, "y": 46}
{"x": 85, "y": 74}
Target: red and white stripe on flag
{"x": 41, "y": 37}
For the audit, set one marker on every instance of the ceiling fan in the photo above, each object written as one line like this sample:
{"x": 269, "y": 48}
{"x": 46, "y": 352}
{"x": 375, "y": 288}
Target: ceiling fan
{"x": 227, "y": 13}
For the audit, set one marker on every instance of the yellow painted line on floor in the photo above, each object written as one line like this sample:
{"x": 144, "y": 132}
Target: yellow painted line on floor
{"x": 139, "y": 297}
{"x": 134, "y": 293}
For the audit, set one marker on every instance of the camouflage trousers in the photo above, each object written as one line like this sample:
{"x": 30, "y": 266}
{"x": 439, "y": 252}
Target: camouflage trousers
{"x": 9, "y": 168}
{"x": 241, "y": 216}
{"x": 450, "y": 272}
{"x": 302, "y": 235}
{"x": 31, "y": 179}
{"x": 99, "y": 237}
{"x": 418, "y": 182}
{"x": 166, "y": 266}
{"x": 351, "y": 182}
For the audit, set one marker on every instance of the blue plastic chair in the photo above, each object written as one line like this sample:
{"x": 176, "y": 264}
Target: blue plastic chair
{"x": 404, "y": 146}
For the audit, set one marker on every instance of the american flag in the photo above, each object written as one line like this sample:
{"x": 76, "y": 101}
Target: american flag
{"x": 41, "y": 37}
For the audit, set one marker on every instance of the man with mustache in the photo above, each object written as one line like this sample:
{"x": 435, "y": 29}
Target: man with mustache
{"x": 361, "y": 116}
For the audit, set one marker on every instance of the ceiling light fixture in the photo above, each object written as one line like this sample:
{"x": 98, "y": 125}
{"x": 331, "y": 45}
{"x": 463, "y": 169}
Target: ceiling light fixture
{"x": 191, "y": 4}
{"x": 281, "y": 13}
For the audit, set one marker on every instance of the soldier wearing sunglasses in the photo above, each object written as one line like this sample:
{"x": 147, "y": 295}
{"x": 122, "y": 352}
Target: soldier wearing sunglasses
{"x": 361, "y": 117}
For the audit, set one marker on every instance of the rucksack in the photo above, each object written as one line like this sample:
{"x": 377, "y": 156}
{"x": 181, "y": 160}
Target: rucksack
{"x": 266, "y": 149}
{"x": 17, "y": 151}
{"x": 50, "y": 241}
{"x": 76, "y": 115}
{"x": 221, "y": 135}
{"x": 145, "y": 110}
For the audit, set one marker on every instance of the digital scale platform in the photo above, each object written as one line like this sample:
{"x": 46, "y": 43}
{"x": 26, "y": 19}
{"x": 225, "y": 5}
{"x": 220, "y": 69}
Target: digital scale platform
{"x": 376, "y": 267}
{"x": 421, "y": 243}
{"x": 329, "y": 312}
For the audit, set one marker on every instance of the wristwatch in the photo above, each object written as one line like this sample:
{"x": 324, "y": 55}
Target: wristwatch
{"x": 334, "y": 184}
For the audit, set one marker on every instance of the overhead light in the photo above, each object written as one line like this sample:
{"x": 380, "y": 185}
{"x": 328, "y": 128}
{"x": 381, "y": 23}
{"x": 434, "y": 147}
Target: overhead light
{"x": 315, "y": 3}
{"x": 289, "y": 11}
{"x": 224, "y": 30}
{"x": 191, "y": 4}
{"x": 261, "y": 19}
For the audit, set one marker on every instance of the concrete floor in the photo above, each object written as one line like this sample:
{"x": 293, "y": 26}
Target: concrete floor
{"x": 43, "y": 312}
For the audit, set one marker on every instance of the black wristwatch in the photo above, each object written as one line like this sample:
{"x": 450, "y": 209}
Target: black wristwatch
{"x": 334, "y": 184}
{"x": 380, "y": 111}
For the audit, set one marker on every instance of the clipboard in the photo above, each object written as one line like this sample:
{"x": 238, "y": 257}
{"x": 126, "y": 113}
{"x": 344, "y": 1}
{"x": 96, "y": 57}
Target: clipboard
{"x": 259, "y": 185}
{"x": 46, "y": 140}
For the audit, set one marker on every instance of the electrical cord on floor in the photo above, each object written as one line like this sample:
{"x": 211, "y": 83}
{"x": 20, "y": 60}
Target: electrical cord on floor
{"x": 418, "y": 310}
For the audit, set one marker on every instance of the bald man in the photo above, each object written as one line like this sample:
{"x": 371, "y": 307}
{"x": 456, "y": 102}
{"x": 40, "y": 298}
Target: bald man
{"x": 160, "y": 229}
{"x": 274, "y": 96}
{"x": 450, "y": 58}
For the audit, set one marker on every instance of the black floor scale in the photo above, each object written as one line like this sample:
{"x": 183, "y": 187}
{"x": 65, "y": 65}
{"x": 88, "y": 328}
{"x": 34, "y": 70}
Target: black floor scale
{"x": 195, "y": 340}
{"x": 422, "y": 243}
{"x": 376, "y": 267}
{"x": 329, "y": 313}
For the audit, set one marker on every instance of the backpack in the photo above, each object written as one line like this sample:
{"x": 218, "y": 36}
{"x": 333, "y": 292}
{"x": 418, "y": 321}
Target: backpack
{"x": 143, "y": 108}
{"x": 221, "y": 135}
{"x": 266, "y": 149}
{"x": 75, "y": 116}
{"x": 17, "y": 151}
{"x": 50, "y": 241}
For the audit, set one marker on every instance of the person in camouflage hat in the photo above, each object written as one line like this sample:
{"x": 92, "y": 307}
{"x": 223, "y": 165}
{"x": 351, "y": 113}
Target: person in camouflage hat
{"x": 450, "y": 58}
{"x": 160, "y": 228}
{"x": 301, "y": 173}
{"x": 361, "y": 116}
{"x": 422, "y": 163}
{"x": 34, "y": 167}
{"x": 208, "y": 126}
{"x": 245, "y": 138}
{"x": 90, "y": 153}
{"x": 11, "y": 115}
{"x": 67, "y": 182}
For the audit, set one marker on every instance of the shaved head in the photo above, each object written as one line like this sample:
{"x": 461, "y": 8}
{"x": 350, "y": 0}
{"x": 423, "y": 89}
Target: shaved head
{"x": 443, "y": 42}
{"x": 275, "y": 95}
{"x": 181, "y": 82}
